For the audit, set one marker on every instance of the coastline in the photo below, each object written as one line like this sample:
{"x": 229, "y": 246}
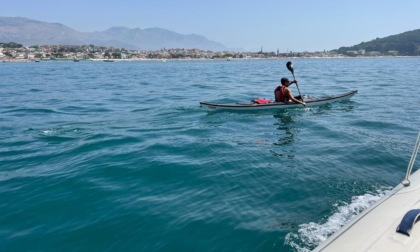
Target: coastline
{"x": 194, "y": 59}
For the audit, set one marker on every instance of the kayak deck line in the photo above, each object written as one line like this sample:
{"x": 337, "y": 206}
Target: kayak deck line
{"x": 309, "y": 100}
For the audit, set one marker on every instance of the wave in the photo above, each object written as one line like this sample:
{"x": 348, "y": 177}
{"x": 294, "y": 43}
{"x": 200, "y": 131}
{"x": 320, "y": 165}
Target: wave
{"x": 310, "y": 235}
{"x": 32, "y": 111}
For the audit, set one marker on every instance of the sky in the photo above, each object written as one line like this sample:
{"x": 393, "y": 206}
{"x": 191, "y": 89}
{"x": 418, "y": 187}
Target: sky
{"x": 298, "y": 25}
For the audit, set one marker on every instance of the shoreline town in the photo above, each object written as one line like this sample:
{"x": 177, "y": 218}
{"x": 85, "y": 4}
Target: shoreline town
{"x": 13, "y": 52}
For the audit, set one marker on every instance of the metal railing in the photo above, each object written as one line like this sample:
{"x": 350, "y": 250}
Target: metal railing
{"x": 406, "y": 181}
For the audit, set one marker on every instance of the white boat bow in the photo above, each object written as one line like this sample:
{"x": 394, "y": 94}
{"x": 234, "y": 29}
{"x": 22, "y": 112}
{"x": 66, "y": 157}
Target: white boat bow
{"x": 387, "y": 226}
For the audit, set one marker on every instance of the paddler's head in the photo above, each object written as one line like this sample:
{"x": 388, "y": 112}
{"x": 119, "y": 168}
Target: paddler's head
{"x": 285, "y": 82}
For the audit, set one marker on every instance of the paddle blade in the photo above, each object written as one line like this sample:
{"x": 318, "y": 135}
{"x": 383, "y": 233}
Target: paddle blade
{"x": 289, "y": 66}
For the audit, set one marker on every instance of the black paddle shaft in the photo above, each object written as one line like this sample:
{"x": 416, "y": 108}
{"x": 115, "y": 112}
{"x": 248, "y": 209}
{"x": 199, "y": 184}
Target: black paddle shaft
{"x": 290, "y": 67}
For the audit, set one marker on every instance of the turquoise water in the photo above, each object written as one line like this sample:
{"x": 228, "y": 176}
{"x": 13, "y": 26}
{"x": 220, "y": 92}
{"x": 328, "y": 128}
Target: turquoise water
{"x": 120, "y": 157}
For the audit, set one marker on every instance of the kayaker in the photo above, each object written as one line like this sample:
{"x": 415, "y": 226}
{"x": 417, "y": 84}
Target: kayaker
{"x": 284, "y": 94}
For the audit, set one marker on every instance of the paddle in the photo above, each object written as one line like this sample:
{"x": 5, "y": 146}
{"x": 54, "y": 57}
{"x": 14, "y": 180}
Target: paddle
{"x": 290, "y": 67}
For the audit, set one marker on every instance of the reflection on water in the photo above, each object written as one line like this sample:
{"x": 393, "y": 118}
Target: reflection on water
{"x": 289, "y": 124}
{"x": 286, "y": 128}
{"x": 285, "y": 132}
{"x": 342, "y": 106}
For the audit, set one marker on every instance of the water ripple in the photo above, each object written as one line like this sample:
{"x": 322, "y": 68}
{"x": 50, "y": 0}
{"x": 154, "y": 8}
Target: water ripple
{"x": 120, "y": 157}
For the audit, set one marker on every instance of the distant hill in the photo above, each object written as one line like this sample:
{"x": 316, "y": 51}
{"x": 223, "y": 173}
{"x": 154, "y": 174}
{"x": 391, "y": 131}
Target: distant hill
{"x": 407, "y": 44}
{"x": 31, "y": 32}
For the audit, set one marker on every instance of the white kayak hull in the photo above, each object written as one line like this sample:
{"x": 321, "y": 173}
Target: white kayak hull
{"x": 311, "y": 101}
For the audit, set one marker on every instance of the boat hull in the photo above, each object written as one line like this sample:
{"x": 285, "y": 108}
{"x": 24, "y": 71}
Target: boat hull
{"x": 311, "y": 101}
{"x": 375, "y": 228}
{"x": 389, "y": 225}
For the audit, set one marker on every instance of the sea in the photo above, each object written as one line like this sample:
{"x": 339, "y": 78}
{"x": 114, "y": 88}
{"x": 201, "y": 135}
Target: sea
{"x": 119, "y": 156}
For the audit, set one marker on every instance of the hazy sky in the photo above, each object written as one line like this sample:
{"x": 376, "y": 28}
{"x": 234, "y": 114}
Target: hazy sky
{"x": 294, "y": 25}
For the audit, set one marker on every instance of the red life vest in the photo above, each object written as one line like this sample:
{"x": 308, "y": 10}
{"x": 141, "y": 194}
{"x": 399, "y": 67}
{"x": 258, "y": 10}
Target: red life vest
{"x": 279, "y": 94}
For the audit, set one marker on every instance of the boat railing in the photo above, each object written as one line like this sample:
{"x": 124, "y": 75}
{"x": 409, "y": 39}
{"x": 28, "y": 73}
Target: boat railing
{"x": 406, "y": 181}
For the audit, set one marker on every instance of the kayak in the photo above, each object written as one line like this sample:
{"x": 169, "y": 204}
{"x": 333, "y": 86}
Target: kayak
{"x": 309, "y": 100}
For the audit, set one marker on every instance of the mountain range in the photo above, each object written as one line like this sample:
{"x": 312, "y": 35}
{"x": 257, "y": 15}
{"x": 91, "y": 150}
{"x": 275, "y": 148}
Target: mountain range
{"x": 32, "y": 32}
{"x": 406, "y": 44}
